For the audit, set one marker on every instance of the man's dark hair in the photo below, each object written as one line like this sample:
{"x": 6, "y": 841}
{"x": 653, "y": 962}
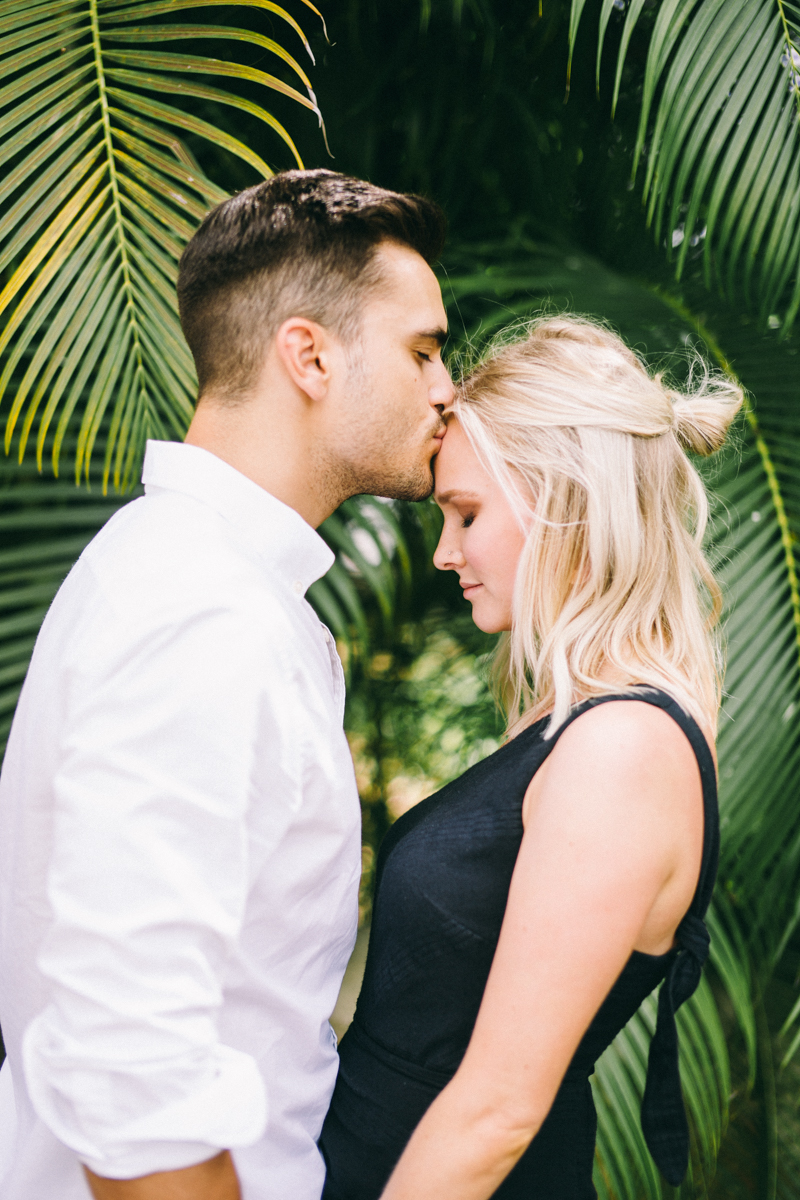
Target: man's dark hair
{"x": 302, "y": 243}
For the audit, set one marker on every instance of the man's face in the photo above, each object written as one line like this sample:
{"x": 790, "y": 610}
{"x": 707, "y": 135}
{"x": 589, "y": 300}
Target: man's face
{"x": 388, "y": 414}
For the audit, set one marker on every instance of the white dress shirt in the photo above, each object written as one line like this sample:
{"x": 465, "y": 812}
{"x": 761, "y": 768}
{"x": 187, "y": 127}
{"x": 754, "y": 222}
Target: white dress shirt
{"x": 179, "y": 850}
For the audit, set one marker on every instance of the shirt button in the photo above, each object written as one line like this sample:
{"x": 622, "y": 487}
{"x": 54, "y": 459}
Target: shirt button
{"x": 297, "y": 587}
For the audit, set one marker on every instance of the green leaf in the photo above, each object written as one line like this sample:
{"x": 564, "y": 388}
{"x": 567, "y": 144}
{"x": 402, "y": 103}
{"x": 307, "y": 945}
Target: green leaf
{"x": 166, "y": 33}
{"x": 721, "y": 108}
{"x": 631, "y": 17}
{"x": 57, "y": 98}
{"x": 575, "y": 16}
{"x": 45, "y": 200}
{"x": 67, "y": 133}
{"x": 66, "y": 338}
{"x": 97, "y": 161}
{"x": 151, "y": 60}
{"x": 187, "y": 124}
{"x": 168, "y": 7}
{"x": 34, "y": 33}
{"x": 199, "y": 91}
{"x": 140, "y": 154}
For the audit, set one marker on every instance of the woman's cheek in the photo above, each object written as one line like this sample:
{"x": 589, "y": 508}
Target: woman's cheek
{"x": 471, "y": 545}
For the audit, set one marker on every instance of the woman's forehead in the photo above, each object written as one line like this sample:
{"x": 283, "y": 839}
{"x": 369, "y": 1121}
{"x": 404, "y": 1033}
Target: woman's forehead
{"x": 458, "y": 471}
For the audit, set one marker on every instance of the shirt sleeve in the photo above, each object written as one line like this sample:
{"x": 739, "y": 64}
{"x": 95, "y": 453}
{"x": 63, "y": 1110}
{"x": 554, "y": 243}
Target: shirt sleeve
{"x": 148, "y": 883}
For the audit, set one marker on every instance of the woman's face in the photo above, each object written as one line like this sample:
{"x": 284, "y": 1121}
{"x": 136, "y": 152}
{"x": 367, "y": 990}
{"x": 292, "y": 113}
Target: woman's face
{"x": 481, "y": 538}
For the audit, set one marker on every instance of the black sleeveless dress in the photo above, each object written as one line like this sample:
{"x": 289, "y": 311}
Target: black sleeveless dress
{"x": 443, "y": 876}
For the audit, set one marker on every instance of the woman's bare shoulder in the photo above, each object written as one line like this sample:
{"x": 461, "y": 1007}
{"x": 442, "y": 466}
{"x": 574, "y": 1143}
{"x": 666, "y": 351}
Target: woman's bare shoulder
{"x": 628, "y": 731}
{"x": 622, "y": 787}
{"x": 628, "y": 748}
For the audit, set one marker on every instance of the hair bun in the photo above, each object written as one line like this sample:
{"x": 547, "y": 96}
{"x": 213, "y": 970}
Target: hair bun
{"x": 702, "y": 417}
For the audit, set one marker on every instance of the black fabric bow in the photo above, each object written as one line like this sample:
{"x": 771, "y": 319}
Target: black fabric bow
{"x": 664, "y": 1123}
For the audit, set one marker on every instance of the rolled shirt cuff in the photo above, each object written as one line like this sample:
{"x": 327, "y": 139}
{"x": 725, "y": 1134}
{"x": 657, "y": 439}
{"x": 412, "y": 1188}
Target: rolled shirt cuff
{"x": 174, "y": 1156}
{"x": 177, "y": 1114}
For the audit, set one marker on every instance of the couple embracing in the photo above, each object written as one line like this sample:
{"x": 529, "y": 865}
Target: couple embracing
{"x": 179, "y": 822}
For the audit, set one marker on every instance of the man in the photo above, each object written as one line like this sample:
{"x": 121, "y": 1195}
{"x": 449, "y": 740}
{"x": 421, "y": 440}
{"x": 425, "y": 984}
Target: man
{"x": 179, "y": 824}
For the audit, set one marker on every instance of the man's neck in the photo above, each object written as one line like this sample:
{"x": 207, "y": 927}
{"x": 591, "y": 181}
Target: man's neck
{"x": 277, "y": 455}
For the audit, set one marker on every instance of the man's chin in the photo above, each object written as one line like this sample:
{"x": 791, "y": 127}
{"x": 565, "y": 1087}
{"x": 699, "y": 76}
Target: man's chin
{"x": 417, "y": 486}
{"x": 409, "y": 492}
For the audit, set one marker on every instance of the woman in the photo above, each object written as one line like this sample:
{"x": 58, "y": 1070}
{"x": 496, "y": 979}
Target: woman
{"x": 523, "y": 913}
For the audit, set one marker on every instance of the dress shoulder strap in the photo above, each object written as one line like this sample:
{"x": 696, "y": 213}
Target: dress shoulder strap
{"x": 664, "y": 1124}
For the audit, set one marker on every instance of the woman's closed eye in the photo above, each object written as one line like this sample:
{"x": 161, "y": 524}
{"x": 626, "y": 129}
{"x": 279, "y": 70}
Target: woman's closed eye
{"x": 467, "y": 520}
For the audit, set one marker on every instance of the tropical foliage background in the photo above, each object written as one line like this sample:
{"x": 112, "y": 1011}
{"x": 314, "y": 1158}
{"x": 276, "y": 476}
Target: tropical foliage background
{"x": 635, "y": 159}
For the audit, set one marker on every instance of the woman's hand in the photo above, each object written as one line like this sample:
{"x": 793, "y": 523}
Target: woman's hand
{"x": 211, "y": 1180}
{"x": 608, "y": 863}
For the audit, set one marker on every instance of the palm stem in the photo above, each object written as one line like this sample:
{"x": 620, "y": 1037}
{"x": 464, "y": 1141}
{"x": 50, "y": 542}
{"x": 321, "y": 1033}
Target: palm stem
{"x": 121, "y": 237}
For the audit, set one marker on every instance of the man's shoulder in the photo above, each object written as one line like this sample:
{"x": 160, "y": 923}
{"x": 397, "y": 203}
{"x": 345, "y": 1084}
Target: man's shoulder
{"x": 168, "y": 556}
{"x": 176, "y": 541}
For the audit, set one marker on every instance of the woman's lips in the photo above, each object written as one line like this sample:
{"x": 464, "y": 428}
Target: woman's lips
{"x": 470, "y": 589}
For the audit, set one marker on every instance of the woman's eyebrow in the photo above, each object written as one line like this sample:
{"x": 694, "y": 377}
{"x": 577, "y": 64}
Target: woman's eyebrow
{"x": 456, "y": 494}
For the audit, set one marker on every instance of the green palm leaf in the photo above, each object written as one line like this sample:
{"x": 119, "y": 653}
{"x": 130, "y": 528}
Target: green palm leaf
{"x": 99, "y": 197}
{"x": 720, "y": 109}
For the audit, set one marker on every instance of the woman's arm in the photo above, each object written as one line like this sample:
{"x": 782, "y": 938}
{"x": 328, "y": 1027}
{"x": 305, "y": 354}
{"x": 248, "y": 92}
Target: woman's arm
{"x": 608, "y": 864}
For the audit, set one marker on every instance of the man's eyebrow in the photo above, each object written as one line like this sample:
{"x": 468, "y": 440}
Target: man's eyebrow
{"x": 432, "y": 335}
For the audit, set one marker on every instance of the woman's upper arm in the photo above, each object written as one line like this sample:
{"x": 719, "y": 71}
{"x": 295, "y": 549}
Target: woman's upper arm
{"x": 613, "y": 824}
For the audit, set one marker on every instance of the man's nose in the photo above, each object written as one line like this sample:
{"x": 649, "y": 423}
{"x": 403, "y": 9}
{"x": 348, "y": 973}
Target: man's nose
{"x": 441, "y": 394}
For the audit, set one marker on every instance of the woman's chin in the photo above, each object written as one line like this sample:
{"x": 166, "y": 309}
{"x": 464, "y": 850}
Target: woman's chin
{"x": 489, "y": 622}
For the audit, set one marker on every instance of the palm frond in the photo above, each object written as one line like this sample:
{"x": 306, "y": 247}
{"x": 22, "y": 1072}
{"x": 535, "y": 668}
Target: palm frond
{"x": 100, "y": 194}
{"x": 720, "y": 116}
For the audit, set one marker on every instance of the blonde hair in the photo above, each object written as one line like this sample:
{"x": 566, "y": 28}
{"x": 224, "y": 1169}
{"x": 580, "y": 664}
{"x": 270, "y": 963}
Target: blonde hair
{"x": 613, "y": 588}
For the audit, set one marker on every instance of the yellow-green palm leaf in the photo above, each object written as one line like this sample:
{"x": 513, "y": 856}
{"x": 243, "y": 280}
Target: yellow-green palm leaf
{"x": 99, "y": 195}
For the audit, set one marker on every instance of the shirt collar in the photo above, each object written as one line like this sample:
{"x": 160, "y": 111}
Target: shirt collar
{"x": 276, "y": 531}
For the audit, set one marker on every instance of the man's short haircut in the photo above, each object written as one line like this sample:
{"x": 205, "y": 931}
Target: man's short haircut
{"x": 302, "y": 243}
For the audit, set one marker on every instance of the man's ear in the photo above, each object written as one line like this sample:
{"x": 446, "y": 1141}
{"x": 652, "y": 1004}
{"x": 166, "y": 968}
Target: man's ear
{"x": 308, "y": 353}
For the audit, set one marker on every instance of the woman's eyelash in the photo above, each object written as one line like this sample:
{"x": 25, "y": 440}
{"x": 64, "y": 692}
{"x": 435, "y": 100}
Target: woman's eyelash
{"x": 467, "y": 520}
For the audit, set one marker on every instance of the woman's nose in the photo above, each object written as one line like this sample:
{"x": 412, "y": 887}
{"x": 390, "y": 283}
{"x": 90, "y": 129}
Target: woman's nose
{"x": 446, "y": 557}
